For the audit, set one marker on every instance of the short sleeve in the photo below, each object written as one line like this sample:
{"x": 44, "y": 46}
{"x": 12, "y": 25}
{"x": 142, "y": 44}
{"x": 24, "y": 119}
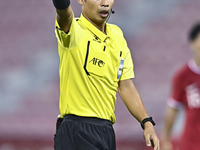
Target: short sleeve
{"x": 72, "y": 38}
{"x": 127, "y": 72}
{"x": 177, "y": 92}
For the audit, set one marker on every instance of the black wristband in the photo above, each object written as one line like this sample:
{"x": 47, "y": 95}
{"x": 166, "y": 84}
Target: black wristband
{"x": 150, "y": 119}
{"x": 61, "y": 4}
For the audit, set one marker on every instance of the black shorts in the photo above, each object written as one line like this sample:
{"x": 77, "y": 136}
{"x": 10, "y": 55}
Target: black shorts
{"x": 85, "y": 133}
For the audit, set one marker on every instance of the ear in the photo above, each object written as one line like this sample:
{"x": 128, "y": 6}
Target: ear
{"x": 81, "y": 2}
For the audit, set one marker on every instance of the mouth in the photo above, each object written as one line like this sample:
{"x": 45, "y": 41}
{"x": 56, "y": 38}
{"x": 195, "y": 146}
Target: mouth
{"x": 104, "y": 13}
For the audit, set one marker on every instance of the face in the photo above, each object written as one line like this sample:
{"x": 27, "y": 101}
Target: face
{"x": 96, "y": 11}
{"x": 195, "y": 45}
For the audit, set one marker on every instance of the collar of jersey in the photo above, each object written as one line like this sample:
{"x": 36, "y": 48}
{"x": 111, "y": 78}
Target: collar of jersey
{"x": 193, "y": 66}
{"x": 93, "y": 29}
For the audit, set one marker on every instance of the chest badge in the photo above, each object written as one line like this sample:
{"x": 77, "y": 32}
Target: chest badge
{"x": 98, "y": 62}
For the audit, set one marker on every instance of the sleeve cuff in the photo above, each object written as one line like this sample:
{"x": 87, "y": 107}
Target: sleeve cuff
{"x": 174, "y": 103}
{"x": 127, "y": 77}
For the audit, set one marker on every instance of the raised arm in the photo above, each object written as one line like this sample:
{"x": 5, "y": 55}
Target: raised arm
{"x": 170, "y": 117}
{"x": 64, "y": 14}
{"x": 133, "y": 102}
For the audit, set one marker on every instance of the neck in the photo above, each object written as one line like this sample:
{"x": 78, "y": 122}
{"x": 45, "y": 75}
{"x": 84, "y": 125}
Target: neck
{"x": 197, "y": 60}
{"x": 100, "y": 26}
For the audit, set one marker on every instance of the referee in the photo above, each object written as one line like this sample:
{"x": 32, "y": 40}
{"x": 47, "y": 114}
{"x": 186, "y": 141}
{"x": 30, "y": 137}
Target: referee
{"x": 95, "y": 63}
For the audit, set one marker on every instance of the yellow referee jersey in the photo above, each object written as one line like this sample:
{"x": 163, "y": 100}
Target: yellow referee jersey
{"x": 91, "y": 65}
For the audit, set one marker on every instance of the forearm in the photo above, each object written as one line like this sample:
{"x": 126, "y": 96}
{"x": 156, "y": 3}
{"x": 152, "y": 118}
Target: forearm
{"x": 133, "y": 102}
{"x": 169, "y": 120}
{"x": 64, "y": 18}
{"x": 64, "y": 14}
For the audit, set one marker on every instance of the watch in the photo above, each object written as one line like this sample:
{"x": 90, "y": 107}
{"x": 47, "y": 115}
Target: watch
{"x": 150, "y": 119}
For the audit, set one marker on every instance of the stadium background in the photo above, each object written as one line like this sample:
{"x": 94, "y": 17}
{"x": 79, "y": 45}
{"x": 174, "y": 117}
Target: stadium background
{"x": 156, "y": 32}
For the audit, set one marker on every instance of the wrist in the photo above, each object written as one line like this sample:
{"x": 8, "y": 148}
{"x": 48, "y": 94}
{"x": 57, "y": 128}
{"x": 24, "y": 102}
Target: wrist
{"x": 147, "y": 122}
{"x": 148, "y": 125}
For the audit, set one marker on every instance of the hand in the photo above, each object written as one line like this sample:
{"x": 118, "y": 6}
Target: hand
{"x": 150, "y": 136}
{"x": 166, "y": 145}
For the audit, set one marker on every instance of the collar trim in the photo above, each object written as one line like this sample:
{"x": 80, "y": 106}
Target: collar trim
{"x": 93, "y": 29}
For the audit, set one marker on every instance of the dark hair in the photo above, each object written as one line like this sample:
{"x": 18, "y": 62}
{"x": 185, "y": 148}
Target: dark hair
{"x": 194, "y": 32}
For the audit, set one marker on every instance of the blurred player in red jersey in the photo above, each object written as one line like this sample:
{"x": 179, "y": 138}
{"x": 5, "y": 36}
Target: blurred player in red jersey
{"x": 186, "y": 91}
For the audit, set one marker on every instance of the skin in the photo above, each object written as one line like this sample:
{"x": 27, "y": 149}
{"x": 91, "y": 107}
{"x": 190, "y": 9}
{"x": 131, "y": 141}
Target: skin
{"x": 195, "y": 46}
{"x": 92, "y": 11}
{"x": 170, "y": 117}
{"x": 171, "y": 113}
{"x": 133, "y": 102}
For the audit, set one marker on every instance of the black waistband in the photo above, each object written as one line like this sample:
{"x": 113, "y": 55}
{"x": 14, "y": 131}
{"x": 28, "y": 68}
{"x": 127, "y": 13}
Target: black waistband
{"x": 89, "y": 120}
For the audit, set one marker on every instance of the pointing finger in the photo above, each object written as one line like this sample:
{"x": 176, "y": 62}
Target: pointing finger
{"x": 148, "y": 141}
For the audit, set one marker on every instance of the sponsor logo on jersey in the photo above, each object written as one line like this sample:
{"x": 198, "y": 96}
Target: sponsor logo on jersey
{"x": 96, "y": 39}
{"x": 98, "y": 62}
{"x": 193, "y": 96}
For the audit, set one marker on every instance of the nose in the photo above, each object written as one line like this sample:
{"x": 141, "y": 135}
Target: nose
{"x": 105, "y": 3}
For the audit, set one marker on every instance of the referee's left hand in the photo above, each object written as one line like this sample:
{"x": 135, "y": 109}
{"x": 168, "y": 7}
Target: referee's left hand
{"x": 150, "y": 136}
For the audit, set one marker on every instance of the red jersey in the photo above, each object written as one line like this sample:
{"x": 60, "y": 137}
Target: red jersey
{"x": 186, "y": 91}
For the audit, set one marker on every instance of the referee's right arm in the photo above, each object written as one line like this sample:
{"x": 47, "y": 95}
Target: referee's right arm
{"x": 64, "y": 14}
